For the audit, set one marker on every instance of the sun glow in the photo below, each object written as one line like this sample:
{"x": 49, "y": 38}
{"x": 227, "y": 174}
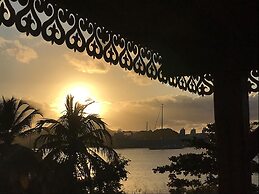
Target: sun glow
{"x": 82, "y": 95}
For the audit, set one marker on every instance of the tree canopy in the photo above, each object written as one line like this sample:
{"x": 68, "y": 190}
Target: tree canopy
{"x": 72, "y": 154}
{"x": 80, "y": 143}
{"x": 16, "y": 117}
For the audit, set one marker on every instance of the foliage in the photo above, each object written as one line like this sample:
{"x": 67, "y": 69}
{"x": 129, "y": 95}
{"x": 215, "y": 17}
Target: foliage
{"x": 195, "y": 172}
{"x": 15, "y": 118}
{"x": 55, "y": 178}
{"x": 79, "y": 144}
{"x": 193, "y": 166}
{"x": 18, "y": 169}
{"x": 108, "y": 176}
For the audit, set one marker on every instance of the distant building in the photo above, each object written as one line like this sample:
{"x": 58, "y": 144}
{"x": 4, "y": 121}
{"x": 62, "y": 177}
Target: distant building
{"x": 193, "y": 132}
{"x": 182, "y": 132}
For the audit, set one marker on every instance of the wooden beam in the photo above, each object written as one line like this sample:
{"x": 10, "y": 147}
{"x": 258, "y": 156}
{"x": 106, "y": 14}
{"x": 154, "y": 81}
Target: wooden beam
{"x": 231, "y": 107}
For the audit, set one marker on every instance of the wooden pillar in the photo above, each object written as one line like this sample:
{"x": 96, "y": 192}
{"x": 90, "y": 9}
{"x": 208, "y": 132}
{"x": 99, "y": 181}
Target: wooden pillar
{"x": 231, "y": 108}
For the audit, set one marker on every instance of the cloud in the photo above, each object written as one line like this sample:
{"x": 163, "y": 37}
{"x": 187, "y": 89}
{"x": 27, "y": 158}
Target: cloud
{"x": 2, "y": 41}
{"x": 86, "y": 64}
{"x": 138, "y": 79}
{"x": 22, "y": 53}
{"x": 179, "y": 111}
{"x": 14, "y": 48}
{"x": 25, "y": 37}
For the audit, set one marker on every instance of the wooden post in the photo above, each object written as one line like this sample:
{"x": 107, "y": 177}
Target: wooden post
{"x": 231, "y": 108}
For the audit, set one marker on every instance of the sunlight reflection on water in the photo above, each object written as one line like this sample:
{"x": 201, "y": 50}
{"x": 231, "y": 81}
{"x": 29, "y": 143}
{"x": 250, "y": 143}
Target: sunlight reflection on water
{"x": 141, "y": 179}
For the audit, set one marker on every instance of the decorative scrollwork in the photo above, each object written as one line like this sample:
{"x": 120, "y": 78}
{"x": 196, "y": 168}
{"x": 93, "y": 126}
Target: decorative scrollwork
{"x": 52, "y": 28}
{"x": 160, "y": 74}
{"x": 139, "y": 65}
{"x": 94, "y": 47}
{"x": 74, "y": 37}
{"x": 152, "y": 67}
{"x": 60, "y": 26}
{"x": 205, "y": 85}
{"x": 110, "y": 52}
{"x": 253, "y": 81}
{"x": 27, "y": 20}
{"x": 202, "y": 85}
{"x": 7, "y": 13}
{"x": 191, "y": 85}
{"x": 125, "y": 58}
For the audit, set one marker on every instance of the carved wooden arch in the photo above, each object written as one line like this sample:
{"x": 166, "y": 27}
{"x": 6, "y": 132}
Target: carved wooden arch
{"x": 60, "y": 26}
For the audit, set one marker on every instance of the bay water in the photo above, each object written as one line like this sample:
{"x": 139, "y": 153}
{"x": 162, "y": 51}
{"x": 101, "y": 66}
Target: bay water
{"x": 142, "y": 180}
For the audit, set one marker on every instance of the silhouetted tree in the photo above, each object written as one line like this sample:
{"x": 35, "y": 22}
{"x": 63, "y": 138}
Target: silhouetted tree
{"x": 15, "y": 118}
{"x": 107, "y": 176}
{"x": 19, "y": 170}
{"x": 196, "y": 172}
{"x": 18, "y": 164}
{"x": 80, "y": 145}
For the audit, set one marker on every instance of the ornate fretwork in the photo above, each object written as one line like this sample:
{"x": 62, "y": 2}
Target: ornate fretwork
{"x": 253, "y": 81}
{"x": 59, "y": 26}
{"x": 202, "y": 85}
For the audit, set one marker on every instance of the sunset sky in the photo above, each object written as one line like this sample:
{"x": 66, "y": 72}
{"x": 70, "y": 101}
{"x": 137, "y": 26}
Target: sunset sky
{"x": 44, "y": 74}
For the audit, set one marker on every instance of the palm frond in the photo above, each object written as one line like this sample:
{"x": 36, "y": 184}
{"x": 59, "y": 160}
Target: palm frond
{"x": 25, "y": 122}
{"x": 105, "y": 135}
{"x": 46, "y": 121}
{"x": 45, "y": 138}
{"x": 96, "y": 120}
{"x": 95, "y": 156}
{"x": 19, "y": 104}
{"x": 50, "y": 146}
{"x": 8, "y": 112}
{"x": 21, "y": 114}
{"x": 55, "y": 154}
{"x": 90, "y": 140}
{"x": 15, "y": 116}
{"x": 48, "y": 125}
{"x": 106, "y": 151}
{"x": 69, "y": 104}
{"x": 32, "y": 131}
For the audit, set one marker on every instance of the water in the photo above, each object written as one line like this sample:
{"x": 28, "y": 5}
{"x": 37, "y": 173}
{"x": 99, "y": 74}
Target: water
{"x": 141, "y": 179}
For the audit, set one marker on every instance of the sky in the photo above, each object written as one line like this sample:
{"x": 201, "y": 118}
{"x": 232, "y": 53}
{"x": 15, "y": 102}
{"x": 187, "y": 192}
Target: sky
{"x": 43, "y": 74}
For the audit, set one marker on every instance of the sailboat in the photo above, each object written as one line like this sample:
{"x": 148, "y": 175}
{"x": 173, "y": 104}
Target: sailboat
{"x": 160, "y": 145}
{"x": 162, "y": 117}
{"x": 164, "y": 144}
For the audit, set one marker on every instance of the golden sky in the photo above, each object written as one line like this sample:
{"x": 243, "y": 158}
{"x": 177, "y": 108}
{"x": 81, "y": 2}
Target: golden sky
{"x": 44, "y": 74}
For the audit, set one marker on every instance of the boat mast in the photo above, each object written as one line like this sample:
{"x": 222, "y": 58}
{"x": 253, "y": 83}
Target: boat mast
{"x": 162, "y": 117}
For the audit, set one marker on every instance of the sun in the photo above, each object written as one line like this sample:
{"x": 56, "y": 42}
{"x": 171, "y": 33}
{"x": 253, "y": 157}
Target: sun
{"x": 82, "y": 95}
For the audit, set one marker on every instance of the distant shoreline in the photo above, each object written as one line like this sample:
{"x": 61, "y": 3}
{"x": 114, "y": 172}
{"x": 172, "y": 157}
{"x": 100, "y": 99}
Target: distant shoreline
{"x": 124, "y": 148}
{"x": 159, "y": 139}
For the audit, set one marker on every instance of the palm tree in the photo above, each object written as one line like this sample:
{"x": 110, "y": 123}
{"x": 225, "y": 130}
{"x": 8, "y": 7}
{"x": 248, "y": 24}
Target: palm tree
{"x": 18, "y": 164}
{"x": 16, "y": 117}
{"x": 77, "y": 141}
